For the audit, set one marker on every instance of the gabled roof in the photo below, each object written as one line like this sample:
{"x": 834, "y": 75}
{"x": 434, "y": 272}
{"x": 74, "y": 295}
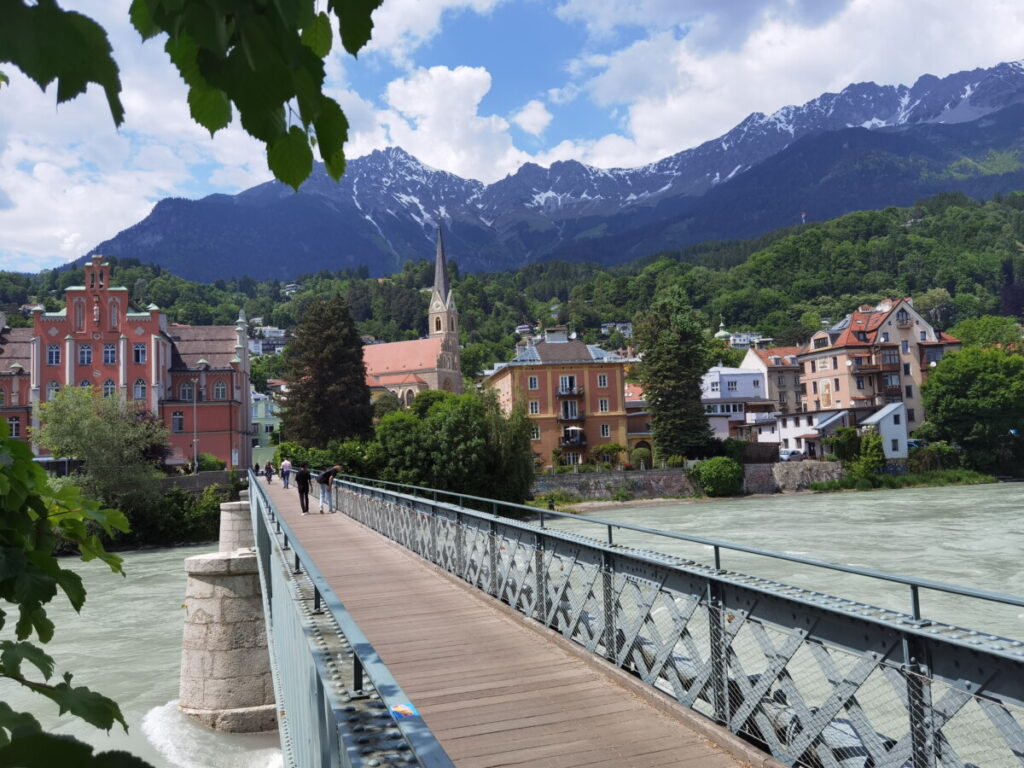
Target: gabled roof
{"x": 15, "y": 348}
{"x": 402, "y": 356}
{"x": 216, "y": 344}
{"x": 786, "y": 355}
{"x": 881, "y": 413}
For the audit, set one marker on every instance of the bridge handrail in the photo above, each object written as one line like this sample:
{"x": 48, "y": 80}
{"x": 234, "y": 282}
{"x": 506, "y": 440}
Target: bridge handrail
{"x": 420, "y": 738}
{"x": 717, "y": 545}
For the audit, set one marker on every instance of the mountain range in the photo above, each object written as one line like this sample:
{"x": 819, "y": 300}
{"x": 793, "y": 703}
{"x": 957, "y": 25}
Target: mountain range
{"x": 868, "y": 146}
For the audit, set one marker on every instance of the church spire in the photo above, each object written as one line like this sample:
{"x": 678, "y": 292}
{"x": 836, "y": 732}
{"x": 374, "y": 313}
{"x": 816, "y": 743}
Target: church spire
{"x": 441, "y": 270}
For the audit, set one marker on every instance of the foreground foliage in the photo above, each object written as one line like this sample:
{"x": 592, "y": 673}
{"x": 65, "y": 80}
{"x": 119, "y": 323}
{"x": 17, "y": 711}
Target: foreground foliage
{"x": 264, "y": 59}
{"x": 35, "y": 519}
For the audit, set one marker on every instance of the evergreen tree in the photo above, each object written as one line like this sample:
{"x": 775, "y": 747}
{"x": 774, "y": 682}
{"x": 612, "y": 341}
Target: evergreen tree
{"x": 674, "y": 356}
{"x": 327, "y": 395}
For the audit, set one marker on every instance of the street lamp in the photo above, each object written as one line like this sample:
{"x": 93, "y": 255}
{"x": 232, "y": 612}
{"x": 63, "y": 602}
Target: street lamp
{"x": 195, "y": 437}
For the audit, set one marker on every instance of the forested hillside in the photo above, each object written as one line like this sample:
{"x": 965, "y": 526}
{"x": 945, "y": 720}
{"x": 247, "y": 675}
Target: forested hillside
{"x": 958, "y": 258}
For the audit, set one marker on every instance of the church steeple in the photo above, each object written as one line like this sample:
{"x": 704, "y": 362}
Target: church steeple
{"x": 443, "y": 317}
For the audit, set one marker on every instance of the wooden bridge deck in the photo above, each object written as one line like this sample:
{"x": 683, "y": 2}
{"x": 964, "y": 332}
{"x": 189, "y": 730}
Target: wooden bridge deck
{"x": 495, "y": 691}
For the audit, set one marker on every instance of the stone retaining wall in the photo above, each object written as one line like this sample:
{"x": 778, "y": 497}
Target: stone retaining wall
{"x": 650, "y": 484}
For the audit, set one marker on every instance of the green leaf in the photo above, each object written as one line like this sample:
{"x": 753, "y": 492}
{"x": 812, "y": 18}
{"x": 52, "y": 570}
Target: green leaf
{"x": 13, "y": 654}
{"x": 96, "y": 709}
{"x": 16, "y": 723}
{"x": 210, "y": 107}
{"x": 12, "y": 562}
{"x": 45, "y": 750}
{"x": 142, "y": 20}
{"x": 290, "y": 158}
{"x": 72, "y": 585}
{"x": 184, "y": 53}
{"x": 32, "y": 616}
{"x": 318, "y": 35}
{"x": 355, "y": 21}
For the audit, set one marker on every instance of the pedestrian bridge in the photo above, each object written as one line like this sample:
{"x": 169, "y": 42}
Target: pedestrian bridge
{"x": 423, "y": 628}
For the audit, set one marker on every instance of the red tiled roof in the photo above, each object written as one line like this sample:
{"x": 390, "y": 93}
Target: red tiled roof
{"x": 402, "y": 356}
{"x": 867, "y": 322}
{"x": 766, "y": 355}
{"x": 397, "y": 379}
{"x": 634, "y": 392}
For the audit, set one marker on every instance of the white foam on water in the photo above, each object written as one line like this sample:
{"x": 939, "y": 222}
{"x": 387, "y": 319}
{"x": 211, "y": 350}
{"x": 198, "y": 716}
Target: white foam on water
{"x": 185, "y": 744}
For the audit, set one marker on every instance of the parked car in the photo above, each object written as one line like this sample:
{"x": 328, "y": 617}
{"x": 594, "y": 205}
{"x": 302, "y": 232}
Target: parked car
{"x": 790, "y": 454}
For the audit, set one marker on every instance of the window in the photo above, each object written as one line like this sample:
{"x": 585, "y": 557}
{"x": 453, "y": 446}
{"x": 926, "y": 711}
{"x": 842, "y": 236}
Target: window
{"x": 782, "y": 398}
{"x": 53, "y": 354}
{"x": 220, "y": 391}
{"x": 268, "y": 428}
{"x": 796, "y": 380}
{"x": 52, "y": 389}
{"x": 109, "y": 387}
{"x": 782, "y": 380}
{"x": 895, "y": 418}
{"x": 178, "y": 421}
{"x": 567, "y": 383}
{"x": 757, "y": 383}
{"x": 731, "y": 386}
{"x": 835, "y": 383}
{"x": 186, "y": 391}
{"x": 835, "y": 363}
{"x": 910, "y": 390}
{"x": 606, "y": 430}
{"x": 784, "y": 425}
{"x": 860, "y": 382}
{"x": 905, "y": 347}
{"x": 139, "y": 390}
{"x": 895, "y": 444}
{"x": 910, "y": 414}
{"x": 602, "y": 380}
{"x": 533, "y": 383}
{"x": 814, "y": 366}
{"x": 109, "y": 354}
{"x": 906, "y": 369}
{"x": 814, "y": 387}
{"x": 85, "y": 354}
{"x": 715, "y": 385}
{"x": 3, "y": 396}
{"x": 924, "y": 335}
{"x": 933, "y": 355}
{"x": 85, "y": 383}
{"x": 139, "y": 351}
{"x": 571, "y": 458}
{"x": 890, "y": 357}
{"x": 602, "y": 405}
{"x": 885, "y": 337}
{"x": 821, "y": 342}
{"x": 14, "y": 425}
{"x": 534, "y": 407}
{"x": 535, "y": 432}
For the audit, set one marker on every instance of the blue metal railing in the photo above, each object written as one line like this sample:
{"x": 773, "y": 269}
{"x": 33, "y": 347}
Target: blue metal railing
{"x": 330, "y": 717}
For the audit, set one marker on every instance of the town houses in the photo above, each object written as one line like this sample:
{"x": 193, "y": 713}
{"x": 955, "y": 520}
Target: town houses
{"x": 195, "y": 379}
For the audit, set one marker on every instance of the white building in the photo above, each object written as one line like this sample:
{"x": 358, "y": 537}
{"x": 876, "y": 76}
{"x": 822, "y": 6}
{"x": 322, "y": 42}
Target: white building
{"x": 732, "y": 397}
{"x": 890, "y": 422}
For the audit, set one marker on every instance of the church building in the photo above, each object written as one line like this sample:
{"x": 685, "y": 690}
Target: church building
{"x": 409, "y": 367}
{"x": 193, "y": 378}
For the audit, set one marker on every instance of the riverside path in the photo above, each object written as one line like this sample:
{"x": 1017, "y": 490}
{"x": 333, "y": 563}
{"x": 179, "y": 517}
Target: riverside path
{"x": 495, "y": 688}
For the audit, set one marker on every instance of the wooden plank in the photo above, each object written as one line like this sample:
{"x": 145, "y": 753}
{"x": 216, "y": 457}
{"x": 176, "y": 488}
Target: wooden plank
{"x": 494, "y": 692}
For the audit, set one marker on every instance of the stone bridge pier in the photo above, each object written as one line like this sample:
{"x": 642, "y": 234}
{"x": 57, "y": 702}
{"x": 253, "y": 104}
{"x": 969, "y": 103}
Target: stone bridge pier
{"x": 226, "y": 681}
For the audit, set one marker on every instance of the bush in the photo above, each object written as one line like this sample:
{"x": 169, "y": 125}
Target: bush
{"x": 622, "y": 493}
{"x": 734, "y": 449}
{"x": 933, "y": 457}
{"x": 210, "y": 463}
{"x": 830, "y": 457}
{"x": 675, "y": 462}
{"x": 720, "y": 476}
{"x": 641, "y": 455}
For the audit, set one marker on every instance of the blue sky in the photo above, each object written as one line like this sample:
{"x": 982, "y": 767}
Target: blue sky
{"x": 476, "y": 87}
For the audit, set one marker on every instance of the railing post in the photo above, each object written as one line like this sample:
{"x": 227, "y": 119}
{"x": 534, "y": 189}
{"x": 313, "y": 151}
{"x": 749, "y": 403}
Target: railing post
{"x": 540, "y": 603}
{"x": 492, "y": 558}
{"x": 718, "y": 653}
{"x": 357, "y": 673}
{"x": 919, "y": 703}
{"x": 611, "y": 650}
{"x": 460, "y": 546}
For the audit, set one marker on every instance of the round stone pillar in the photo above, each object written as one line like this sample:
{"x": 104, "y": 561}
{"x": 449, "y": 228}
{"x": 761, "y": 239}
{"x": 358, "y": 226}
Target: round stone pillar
{"x": 235, "y": 526}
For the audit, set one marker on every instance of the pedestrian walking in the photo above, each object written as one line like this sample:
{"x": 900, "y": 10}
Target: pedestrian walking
{"x": 286, "y": 472}
{"x": 325, "y": 480}
{"x": 302, "y": 482}
{"x": 268, "y": 470}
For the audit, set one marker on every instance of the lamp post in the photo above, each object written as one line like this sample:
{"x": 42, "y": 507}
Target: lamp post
{"x": 195, "y": 437}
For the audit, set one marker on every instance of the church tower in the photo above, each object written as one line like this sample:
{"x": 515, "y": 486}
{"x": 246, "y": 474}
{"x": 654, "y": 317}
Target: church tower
{"x": 443, "y": 317}
{"x": 443, "y": 324}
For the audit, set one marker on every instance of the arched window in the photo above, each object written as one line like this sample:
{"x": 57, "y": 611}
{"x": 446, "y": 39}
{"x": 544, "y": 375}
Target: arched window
{"x": 139, "y": 390}
{"x": 220, "y": 391}
{"x": 115, "y": 311}
{"x": 109, "y": 387}
{"x": 178, "y": 421}
{"x": 52, "y": 389}
{"x": 437, "y": 324}
{"x": 186, "y": 391}
{"x": 85, "y": 383}
{"x": 79, "y": 316}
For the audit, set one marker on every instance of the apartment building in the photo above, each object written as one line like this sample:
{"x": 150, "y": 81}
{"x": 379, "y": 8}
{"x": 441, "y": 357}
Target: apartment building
{"x": 781, "y": 371}
{"x": 573, "y": 394}
{"x": 873, "y": 357}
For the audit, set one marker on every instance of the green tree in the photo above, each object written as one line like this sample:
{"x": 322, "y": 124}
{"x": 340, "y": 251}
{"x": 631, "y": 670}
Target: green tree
{"x": 845, "y": 444}
{"x": 975, "y": 399}
{"x": 327, "y": 395}
{"x": 720, "y": 476}
{"x": 385, "y": 404}
{"x": 508, "y": 457}
{"x": 35, "y": 522}
{"x": 871, "y": 458}
{"x": 987, "y": 331}
{"x": 119, "y": 444}
{"x": 425, "y": 400}
{"x": 264, "y": 59}
{"x": 263, "y": 367}
{"x": 674, "y": 356}
{"x": 403, "y": 449}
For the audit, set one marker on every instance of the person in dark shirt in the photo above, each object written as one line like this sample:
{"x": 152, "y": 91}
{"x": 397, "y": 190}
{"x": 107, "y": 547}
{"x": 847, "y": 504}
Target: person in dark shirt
{"x": 303, "y": 479}
{"x": 326, "y": 479}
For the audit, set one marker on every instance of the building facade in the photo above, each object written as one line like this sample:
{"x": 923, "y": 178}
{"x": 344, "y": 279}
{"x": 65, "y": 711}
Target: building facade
{"x": 781, "y": 371}
{"x": 573, "y": 394}
{"x": 873, "y": 357}
{"x": 732, "y": 397}
{"x": 434, "y": 362}
{"x": 193, "y": 378}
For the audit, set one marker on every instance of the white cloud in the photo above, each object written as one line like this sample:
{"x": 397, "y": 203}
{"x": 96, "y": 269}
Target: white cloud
{"x": 402, "y": 26}
{"x": 533, "y": 117}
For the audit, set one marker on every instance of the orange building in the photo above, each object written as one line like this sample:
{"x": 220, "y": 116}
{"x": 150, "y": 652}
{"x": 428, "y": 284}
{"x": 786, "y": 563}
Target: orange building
{"x": 194, "y": 378}
{"x": 573, "y": 394}
{"x": 873, "y": 357}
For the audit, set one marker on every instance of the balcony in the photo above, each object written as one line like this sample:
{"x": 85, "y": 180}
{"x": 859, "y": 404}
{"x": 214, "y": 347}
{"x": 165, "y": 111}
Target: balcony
{"x": 896, "y": 391}
{"x": 570, "y": 392}
{"x": 570, "y": 417}
{"x": 579, "y": 441}
{"x": 903, "y": 322}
